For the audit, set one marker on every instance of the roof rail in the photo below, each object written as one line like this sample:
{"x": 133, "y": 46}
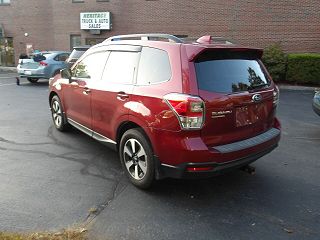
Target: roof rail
{"x": 147, "y": 36}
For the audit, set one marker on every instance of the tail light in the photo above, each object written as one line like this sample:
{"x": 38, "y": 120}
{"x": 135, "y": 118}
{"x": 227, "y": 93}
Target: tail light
{"x": 42, "y": 63}
{"x": 276, "y": 95}
{"x": 188, "y": 109}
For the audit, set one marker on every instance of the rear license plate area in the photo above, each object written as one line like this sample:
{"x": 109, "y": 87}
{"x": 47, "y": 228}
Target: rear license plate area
{"x": 250, "y": 114}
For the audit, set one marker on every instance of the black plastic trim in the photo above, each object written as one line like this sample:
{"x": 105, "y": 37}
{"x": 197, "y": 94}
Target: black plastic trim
{"x": 179, "y": 171}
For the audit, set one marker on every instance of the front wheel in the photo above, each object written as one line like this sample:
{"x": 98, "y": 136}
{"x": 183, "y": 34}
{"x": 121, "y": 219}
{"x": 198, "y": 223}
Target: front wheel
{"x": 136, "y": 157}
{"x": 58, "y": 116}
{"x": 33, "y": 80}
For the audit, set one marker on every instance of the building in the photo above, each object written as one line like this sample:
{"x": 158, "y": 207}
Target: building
{"x": 55, "y": 24}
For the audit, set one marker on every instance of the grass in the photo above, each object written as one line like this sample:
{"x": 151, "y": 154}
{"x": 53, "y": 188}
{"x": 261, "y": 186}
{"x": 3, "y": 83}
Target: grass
{"x": 69, "y": 234}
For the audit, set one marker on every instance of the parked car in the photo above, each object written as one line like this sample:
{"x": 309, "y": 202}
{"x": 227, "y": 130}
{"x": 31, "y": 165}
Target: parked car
{"x": 316, "y": 102}
{"x": 76, "y": 53}
{"x": 42, "y": 65}
{"x": 170, "y": 108}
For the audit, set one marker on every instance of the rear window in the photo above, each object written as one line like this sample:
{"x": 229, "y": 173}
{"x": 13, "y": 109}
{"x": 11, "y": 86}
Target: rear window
{"x": 228, "y": 75}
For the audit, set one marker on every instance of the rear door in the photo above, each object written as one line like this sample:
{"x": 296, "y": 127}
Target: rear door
{"x": 111, "y": 95}
{"x": 238, "y": 95}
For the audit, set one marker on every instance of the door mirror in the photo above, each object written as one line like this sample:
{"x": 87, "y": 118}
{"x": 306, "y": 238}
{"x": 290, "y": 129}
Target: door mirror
{"x": 66, "y": 73}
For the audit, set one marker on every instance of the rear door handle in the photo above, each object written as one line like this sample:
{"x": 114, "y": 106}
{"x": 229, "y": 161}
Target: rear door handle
{"x": 122, "y": 96}
{"x": 86, "y": 91}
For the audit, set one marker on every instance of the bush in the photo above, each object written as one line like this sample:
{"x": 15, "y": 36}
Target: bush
{"x": 304, "y": 68}
{"x": 275, "y": 61}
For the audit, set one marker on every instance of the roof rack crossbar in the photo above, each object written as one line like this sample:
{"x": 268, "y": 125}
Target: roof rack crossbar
{"x": 146, "y": 36}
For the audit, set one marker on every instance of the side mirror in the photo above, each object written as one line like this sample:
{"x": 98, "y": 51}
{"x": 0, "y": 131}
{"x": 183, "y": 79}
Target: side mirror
{"x": 66, "y": 73}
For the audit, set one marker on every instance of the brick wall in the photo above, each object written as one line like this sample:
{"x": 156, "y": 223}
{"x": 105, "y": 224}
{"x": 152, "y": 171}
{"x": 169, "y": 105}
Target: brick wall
{"x": 296, "y": 24}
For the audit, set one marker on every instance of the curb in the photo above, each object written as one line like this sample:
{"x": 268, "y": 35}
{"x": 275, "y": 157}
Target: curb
{"x": 8, "y": 69}
{"x": 296, "y": 88}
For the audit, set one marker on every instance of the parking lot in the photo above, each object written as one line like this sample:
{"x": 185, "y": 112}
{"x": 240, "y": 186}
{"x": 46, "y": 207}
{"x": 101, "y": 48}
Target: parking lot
{"x": 51, "y": 180}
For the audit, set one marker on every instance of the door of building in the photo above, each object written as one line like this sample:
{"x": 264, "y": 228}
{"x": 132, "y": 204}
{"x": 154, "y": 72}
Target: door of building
{"x": 6, "y": 52}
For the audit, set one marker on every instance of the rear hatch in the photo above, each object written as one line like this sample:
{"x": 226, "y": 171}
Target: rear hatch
{"x": 34, "y": 62}
{"x": 237, "y": 92}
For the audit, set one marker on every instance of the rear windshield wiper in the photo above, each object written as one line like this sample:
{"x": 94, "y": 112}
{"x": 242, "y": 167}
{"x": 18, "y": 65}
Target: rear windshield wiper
{"x": 258, "y": 86}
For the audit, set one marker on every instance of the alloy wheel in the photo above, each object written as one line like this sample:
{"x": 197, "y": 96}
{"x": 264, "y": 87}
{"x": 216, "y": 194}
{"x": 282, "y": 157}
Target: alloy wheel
{"x": 56, "y": 113}
{"x": 135, "y": 159}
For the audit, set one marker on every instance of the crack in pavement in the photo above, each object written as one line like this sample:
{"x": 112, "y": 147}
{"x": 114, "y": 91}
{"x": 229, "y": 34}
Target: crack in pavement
{"x": 58, "y": 142}
{"x": 117, "y": 180}
{"x": 23, "y": 144}
{"x": 87, "y": 163}
{"x": 117, "y": 189}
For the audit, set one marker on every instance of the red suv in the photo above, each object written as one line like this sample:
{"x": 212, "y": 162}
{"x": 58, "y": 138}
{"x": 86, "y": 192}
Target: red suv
{"x": 169, "y": 107}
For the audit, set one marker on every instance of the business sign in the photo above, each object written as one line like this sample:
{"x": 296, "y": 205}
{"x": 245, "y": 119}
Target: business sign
{"x": 95, "y": 20}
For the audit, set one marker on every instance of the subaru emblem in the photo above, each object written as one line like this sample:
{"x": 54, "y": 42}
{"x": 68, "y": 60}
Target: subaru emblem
{"x": 256, "y": 97}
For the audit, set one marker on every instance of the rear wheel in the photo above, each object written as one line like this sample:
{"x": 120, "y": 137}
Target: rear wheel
{"x": 136, "y": 157}
{"x": 33, "y": 80}
{"x": 56, "y": 72}
{"x": 58, "y": 116}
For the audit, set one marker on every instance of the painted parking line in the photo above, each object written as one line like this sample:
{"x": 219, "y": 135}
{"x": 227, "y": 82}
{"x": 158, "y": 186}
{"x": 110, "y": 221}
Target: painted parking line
{"x": 7, "y": 84}
{"x": 7, "y": 77}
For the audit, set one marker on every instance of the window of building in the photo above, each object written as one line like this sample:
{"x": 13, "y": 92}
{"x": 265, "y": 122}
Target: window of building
{"x": 91, "y": 66}
{"x": 4, "y": 2}
{"x": 94, "y": 41}
{"x": 77, "y": 1}
{"x": 120, "y": 67}
{"x": 75, "y": 40}
{"x": 102, "y": 0}
{"x": 154, "y": 66}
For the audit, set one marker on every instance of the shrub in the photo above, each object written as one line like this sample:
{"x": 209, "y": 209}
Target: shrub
{"x": 304, "y": 68}
{"x": 275, "y": 61}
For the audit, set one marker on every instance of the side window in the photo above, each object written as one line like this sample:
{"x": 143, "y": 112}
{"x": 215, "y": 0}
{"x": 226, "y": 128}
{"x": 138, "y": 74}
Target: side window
{"x": 154, "y": 66}
{"x": 91, "y": 66}
{"x": 61, "y": 57}
{"x": 120, "y": 67}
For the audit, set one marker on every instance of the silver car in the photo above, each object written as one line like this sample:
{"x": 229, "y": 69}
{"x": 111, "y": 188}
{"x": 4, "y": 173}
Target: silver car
{"x": 43, "y": 65}
{"x": 316, "y": 102}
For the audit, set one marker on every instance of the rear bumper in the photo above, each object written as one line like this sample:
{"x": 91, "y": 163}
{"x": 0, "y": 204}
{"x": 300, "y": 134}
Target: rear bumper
{"x": 181, "y": 171}
{"x": 32, "y": 73}
{"x": 191, "y": 153}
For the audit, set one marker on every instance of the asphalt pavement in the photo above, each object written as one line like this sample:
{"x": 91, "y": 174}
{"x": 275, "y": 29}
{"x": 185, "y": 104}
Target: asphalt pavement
{"x": 51, "y": 180}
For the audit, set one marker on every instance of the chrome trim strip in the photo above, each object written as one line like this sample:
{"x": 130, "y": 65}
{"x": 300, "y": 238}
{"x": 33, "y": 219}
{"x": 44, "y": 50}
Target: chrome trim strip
{"x": 80, "y": 127}
{"x": 102, "y": 138}
{"x": 166, "y": 165}
{"x": 91, "y": 133}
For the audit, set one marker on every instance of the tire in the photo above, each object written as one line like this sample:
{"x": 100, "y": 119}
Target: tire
{"x": 57, "y": 113}
{"x": 56, "y": 72}
{"x": 33, "y": 80}
{"x": 139, "y": 169}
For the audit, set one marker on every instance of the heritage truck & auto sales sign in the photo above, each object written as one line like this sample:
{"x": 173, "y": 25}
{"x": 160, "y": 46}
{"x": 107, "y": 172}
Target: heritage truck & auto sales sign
{"x": 95, "y": 20}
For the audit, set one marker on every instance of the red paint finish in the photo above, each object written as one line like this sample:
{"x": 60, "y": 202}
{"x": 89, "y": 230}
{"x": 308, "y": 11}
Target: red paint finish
{"x": 227, "y": 117}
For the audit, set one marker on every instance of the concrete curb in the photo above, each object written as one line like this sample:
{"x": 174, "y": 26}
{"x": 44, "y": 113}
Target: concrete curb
{"x": 296, "y": 88}
{"x": 8, "y": 69}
